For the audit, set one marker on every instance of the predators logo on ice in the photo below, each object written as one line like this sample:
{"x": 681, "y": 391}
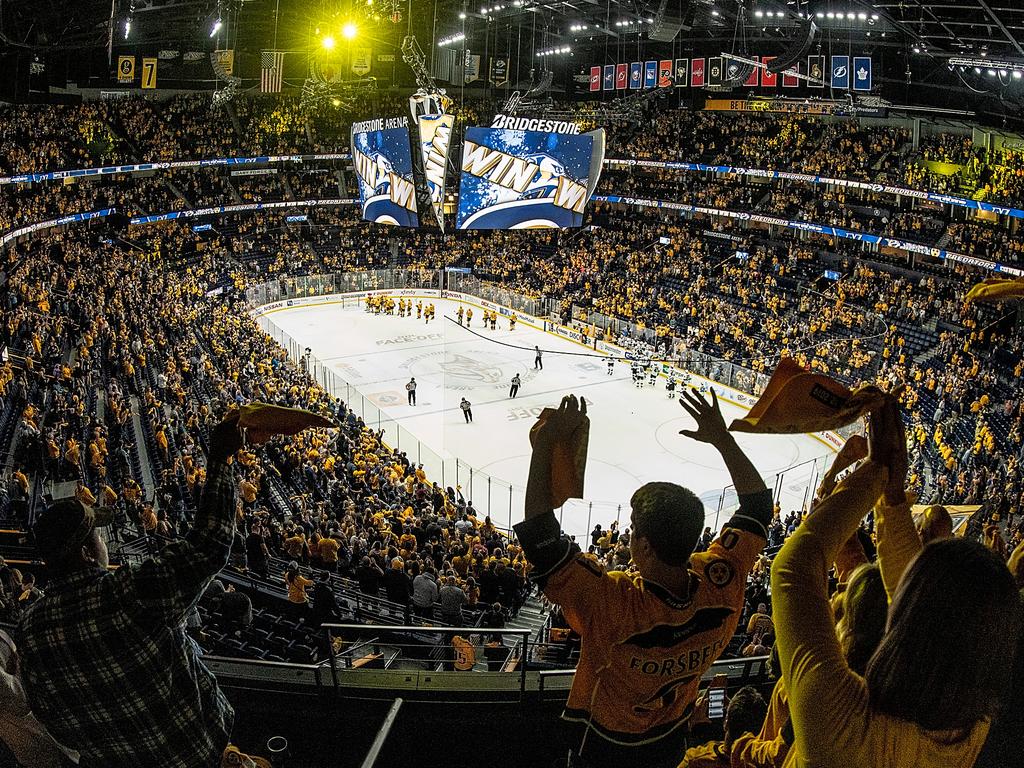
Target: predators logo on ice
{"x": 471, "y": 371}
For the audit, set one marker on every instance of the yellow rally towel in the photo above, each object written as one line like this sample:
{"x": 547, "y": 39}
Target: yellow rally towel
{"x": 569, "y": 461}
{"x": 996, "y": 289}
{"x": 261, "y": 421}
{"x": 796, "y": 402}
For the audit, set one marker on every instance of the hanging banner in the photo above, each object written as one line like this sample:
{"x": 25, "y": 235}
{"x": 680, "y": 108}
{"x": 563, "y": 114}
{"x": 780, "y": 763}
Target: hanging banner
{"x": 608, "y": 82}
{"x": 768, "y": 79}
{"x": 665, "y": 73}
{"x": 862, "y": 73}
{"x": 650, "y": 74}
{"x": 697, "y": 73}
{"x": 499, "y": 72}
{"x": 472, "y": 69}
{"x": 362, "y": 61}
{"x": 225, "y": 61}
{"x": 789, "y": 78}
{"x": 126, "y": 69}
{"x": 840, "y": 71}
{"x": 715, "y": 70}
{"x": 149, "y": 74}
{"x": 620, "y": 76}
{"x": 816, "y": 70}
{"x": 382, "y": 158}
{"x": 435, "y": 141}
{"x": 636, "y": 74}
{"x": 752, "y": 80}
{"x": 681, "y": 78}
{"x": 595, "y": 78}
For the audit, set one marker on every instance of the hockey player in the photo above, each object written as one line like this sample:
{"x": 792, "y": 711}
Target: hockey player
{"x": 512, "y": 322}
{"x": 419, "y": 309}
{"x": 460, "y": 314}
{"x": 638, "y": 375}
{"x": 611, "y": 365}
{"x": 469, "y": 317}
{"x": 670, "y": 386}
{"x": 652, "y": 375}
{"x": 494, "y": 321}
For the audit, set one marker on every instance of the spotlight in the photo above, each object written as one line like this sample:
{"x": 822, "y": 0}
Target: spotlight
{"x": 216, "y": 28}
{"x": 349, "y": 31}
{"x": 462, "y": 15}
{"x": 127, "y": 28}
{"x": 328, "y": 43}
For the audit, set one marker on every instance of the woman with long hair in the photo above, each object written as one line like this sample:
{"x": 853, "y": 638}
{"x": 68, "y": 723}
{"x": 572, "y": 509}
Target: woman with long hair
{"x": 940, "y": 672}
{"x": 298, "y": 600}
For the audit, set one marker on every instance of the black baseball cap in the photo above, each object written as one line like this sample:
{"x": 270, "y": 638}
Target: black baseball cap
{"x": 64, "y": 526}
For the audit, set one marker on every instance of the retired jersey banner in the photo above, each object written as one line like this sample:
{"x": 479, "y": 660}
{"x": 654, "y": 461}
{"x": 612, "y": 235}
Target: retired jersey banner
{"x": 768, "y": 79}
{"x": 862, "y": 73}
{"x": 816, "y": 71}
{"x": 840, "y": 71}
{"x": 435, "y": 141}
{"x": 608, "y": 83}
{"x": 665, "y": 73}
{"x": 382, "y": 157}
{"x": 148, "y": 74}
{"x": 621, "y": 76}
{"x": 697, "y": 73}
{"x": 499, "y": 72}
{"x": 715, "y": 70}
{"x": 651, "y": 74}
{"x": 126, "y": 69}
{"x": 752, "y": 80}
{"x": 636, "y": 74}
{"x": 513, "y": 179}
{"x": 595, "y": 78}
{"x": 681, "y": 78}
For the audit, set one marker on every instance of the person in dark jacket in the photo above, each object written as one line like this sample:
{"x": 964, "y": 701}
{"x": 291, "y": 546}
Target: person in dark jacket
{"x": 398, "y": 586}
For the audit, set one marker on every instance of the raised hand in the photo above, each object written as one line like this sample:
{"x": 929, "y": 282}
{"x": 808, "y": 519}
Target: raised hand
{"x": 562, "y": 422}
{"x": 710, "y": 423}
{"x": 887, "y": 445}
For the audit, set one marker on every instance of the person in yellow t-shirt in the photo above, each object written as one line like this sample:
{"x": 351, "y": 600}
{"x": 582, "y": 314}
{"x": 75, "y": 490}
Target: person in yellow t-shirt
{"x": 297, "y": 583}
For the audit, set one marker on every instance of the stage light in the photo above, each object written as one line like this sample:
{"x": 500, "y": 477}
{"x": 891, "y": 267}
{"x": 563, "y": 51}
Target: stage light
{"x": 349, "y": 31}
{"x": 216, "y": 28}
{"x": 328, "y": 43}
{"x": 127, "y": 28}
{"x": 462, "y": 15}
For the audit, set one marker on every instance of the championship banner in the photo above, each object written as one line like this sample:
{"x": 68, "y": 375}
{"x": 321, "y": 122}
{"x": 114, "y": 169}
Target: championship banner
{"x": 225, "y": 59}
{"x": 816, "y": 70}
{"x": 620, "y": 76}
{"x": 126, "y": 69}
{"x": 362, "y": 61}
{"x": 499, "y": 72}
{"x": 636, "y": 74}
{"x": 609, "y": 77}
{"x": 149, "y": 74}
{"x": 435, "y": 141}
{"x": 768, "y": 79}
{"x": 862, "y": 73}
{"x": 524, "y": 179}
{"x": 840, "y": 71}
{"x": 751, "y": 81}
{"x": 665, "y": 73}
{"x": 681, "y": 78}
{"x": 697, "y": 73}
{"x": 382, "y": 158}
{"x": 789, "y": 79}
{"x": 595, "y": 78}
{"x": 650, "y": 74}
{"x": 715, "y": 70}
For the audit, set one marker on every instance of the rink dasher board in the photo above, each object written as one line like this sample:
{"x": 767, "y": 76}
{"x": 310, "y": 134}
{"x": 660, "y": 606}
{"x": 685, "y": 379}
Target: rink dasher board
{"x": 830, "y": 440}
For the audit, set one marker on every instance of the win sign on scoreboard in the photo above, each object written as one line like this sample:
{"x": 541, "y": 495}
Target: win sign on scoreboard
{"x": 522, "y": 174}
{"x": 382, "y": 156}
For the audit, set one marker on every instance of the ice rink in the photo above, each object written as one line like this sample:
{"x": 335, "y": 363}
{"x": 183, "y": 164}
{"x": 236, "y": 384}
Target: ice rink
{"x": 634, "y": 432}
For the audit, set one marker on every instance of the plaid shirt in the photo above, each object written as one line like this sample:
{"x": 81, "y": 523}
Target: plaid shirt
{"x": 106, "y": 662}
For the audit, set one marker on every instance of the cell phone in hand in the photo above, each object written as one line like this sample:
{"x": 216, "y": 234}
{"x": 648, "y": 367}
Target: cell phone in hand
{"x": 716, "y": 697}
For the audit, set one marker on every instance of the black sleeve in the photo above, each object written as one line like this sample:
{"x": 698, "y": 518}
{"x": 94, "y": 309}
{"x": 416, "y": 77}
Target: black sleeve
{"x": 754, "y": 514}
{"x": 547, "y": 549}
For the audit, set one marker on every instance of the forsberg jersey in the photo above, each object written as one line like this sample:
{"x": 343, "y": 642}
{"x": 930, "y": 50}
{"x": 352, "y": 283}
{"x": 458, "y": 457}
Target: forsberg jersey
{"x": 644, "y": 650}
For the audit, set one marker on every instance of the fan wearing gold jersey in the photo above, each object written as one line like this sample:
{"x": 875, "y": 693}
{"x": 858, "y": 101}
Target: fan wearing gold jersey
{"x": 649, "y": 634}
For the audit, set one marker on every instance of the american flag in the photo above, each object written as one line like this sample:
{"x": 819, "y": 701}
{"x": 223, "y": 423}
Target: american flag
{"x": 272, "y": 63}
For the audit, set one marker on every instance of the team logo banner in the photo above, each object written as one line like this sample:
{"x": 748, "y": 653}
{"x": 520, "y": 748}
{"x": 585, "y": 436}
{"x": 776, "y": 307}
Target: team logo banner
{"x": 524, "y": 179}
{"x": 840, "y": 71}
{"x": 697, "y": 73}
{"x": 620, "y": 76}
{"x": 435, "y": 141}
{"x": 609, "y": 77}
{"x": 768, "y": 79}
{"x": 682, "y": 67}
{"x": 665, "y": 73}
{"x": 715, "y": 70}
{"x": 650, "y": 74}
{"x": 126, "y": 69}
{"x": 816, "y": 70}
{"x": 499, "y": 72}
{"x": 862, "y": 73}
{"x": 382, "y": 157}
{"x": 636, "y": 70}
{"x": 595, "y": 78}
{"x": 752, "y": 79}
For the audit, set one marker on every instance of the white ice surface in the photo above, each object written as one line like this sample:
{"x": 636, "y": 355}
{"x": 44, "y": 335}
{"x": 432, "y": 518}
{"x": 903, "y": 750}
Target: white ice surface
{"x": 634, "y": 432}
